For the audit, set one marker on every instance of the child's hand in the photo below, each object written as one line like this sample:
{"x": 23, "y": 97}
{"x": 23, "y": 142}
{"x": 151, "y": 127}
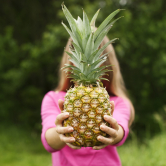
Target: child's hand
{"x": 63, "y": 130}
{"x": 115, "y": 131}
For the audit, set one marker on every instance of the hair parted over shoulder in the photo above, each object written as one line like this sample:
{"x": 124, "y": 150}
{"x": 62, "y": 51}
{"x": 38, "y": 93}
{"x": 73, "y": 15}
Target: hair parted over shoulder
{"x": 115, "y": 86}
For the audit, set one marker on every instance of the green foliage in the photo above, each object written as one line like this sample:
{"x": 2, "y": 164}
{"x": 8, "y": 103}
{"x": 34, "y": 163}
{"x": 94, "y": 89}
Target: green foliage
{"x": 143, "y": 61}
{"x": 27, "y": 72}
{"x": 22, "y": 147}
{"x": 150, "y": 153}
{"x": 32, "y": 40}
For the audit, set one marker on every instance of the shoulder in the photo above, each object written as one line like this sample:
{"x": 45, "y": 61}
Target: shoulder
{"x": 120, "y": 101}
{"x": 122, "y": 107}
{"x": 53, "y": 96}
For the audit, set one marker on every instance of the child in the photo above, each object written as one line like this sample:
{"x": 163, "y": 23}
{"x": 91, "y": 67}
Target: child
{"x": 53, "y": 139}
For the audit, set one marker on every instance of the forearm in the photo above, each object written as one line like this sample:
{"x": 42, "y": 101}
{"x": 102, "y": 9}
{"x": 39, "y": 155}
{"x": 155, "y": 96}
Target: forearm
{"x": 119, "y": 135}
{"x": 53, "y": 139}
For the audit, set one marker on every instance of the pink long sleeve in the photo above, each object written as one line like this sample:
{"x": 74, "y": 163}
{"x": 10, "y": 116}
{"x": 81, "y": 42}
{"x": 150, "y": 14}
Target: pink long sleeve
{"x": 122, "y": 115}
{"x": 49, "y": 111}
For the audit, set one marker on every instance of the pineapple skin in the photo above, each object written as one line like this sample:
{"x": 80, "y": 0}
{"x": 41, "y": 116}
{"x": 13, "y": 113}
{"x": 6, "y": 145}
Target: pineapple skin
{"x": 86, "y": 107}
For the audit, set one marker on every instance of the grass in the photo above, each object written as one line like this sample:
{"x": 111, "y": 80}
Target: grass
{"x": 19, "y": 147}
{"x": 150, "y": 154}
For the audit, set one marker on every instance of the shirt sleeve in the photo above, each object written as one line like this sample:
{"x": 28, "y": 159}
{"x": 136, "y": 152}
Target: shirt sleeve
{"x": 122, "y": 115}
{"x": 49, "y": 111}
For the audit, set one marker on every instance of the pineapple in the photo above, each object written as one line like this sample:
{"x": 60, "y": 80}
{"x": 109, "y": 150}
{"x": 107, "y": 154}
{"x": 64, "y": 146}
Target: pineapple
{"x": 88, "y": 101}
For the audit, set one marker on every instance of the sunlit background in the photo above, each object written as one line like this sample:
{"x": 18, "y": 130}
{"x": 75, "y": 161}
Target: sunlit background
{"x": 32, "y": 41}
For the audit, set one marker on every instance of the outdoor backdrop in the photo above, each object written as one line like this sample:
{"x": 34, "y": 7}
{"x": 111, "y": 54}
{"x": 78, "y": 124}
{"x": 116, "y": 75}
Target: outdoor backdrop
{"x": 32, "y": 41}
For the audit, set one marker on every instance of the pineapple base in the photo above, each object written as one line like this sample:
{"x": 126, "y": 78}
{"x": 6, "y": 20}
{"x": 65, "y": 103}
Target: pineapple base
{"x": 86, "y": 107}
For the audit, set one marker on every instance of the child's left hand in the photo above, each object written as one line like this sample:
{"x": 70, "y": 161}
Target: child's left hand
{"x": 115, "y": 131}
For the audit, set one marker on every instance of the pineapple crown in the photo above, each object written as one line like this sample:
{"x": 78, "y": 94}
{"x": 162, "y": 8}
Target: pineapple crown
{"x": 86, "y": 55}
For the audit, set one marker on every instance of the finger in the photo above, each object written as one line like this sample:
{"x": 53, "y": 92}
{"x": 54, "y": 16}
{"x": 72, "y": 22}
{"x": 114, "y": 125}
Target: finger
{"x": 99, "y": 147}
{"x": 112, "y": 122}
{"x": 64, "y": 130}
{"x": 107, "y": 141}
{"x": 110, "y": 131}
{"x": 66, "y": 139}
{"x": 61, "y": 117}
{"x": 112, "y": 107}
{"x": 60, "y": 103}
{"x": 73, "y": 147}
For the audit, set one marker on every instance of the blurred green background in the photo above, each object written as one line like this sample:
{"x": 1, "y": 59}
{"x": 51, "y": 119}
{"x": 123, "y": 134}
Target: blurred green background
{"x": 32, "y": 41}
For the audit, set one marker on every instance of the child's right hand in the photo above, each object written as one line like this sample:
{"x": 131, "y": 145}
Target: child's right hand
{"x": 64, "y": 130}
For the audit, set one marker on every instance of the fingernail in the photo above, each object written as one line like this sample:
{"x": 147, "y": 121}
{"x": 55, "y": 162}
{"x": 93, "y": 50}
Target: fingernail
{"x": 70, "y": 129}
{"x": 66, "y": 113}
{"x": 102, "y": 127}
{"x": 106, "y": 117}
{"x": 72, "y": 139}
{"x": 99, "y": 138}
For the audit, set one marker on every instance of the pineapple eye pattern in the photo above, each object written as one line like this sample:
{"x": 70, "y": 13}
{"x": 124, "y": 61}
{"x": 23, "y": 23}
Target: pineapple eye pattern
{"x": 105, "y": 104}
{"x": 73, "y": 96}
{"x": 106, "y": 112}
{"x": 101, "y": 98}
{"x": 89, "y": 134}
{"x": 94, "y": 94}
{"x": 96, "y": 129}
{"x": 86, "y": 107}
{"x": 80, "y": 92}
{"x": 90, "y": 123}
{"x": 66, "y": 100}
{"x": 98, "y": 90}
{"x": 98, "y": 118}
{"x": 91, "y": 114}
{"x": 86, "y": 99}
{"x": 83, "y": 118}
{"x": 99, "y": 109}
{"x": 70, "y": 107}
{"x": 94, "y": 103}
{"x": 80, "y": 140}
{"x": 77, "y": 103}
{"x": 75, "y": 122}
{"x": 82, "y": 128}
{"x": 75, "y": 133}
{"x": 88, "y": 89}
{"x": 109, "y": 110}
{"x": 77, "y": 111}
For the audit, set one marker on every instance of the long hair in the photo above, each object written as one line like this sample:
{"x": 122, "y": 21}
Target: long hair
{"x": 115, "y": 86}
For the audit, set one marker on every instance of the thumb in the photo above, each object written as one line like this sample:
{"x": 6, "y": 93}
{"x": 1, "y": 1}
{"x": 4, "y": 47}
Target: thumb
{"x": 112, "y": 106}
{"x": 60, "y": 103}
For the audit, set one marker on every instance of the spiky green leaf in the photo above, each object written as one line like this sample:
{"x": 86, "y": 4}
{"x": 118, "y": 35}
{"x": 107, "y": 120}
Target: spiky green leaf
{"x": 86, "y": 24}
{"x": 92, "y": 23}
{"x": 105, "y": 23}
{"x": 70, "y": 33}
{"x": 73, "y": 24}
{"x": 102, "y": 49}
{"x": 90, "y": 45}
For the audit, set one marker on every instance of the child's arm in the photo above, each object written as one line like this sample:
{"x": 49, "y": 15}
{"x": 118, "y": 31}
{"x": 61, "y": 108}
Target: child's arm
{"x": 51, "y": 135}
{"x": 55, "y": 136}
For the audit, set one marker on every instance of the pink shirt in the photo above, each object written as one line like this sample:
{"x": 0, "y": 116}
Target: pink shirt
{"x": 67, "y": 156}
